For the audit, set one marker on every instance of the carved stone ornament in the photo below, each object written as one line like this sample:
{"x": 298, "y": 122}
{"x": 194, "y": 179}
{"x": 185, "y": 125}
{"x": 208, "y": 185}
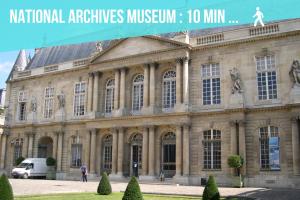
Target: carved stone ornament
{"x": 236, "y": 81}
{"x": 33, "y": 104}
{"x": 295, "y": 72}
{"x": 99, "y": 47}
{"x": 61, "y": 99}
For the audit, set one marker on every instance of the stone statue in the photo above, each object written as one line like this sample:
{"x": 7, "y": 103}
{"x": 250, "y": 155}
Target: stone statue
{"x": 236, "y": 81}
{"x": 33, "y": 104}
{"x": 61, "y": 99}
{"x": 99, "y": 47}
{"x": 295, "y": 72}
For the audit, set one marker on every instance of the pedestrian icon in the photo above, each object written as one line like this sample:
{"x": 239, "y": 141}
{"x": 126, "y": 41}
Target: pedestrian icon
{"x": 259, "y": 17}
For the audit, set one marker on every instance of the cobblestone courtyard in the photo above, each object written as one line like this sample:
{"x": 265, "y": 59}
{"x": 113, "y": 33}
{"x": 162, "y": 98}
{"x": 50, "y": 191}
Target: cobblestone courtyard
{"x": 29, "y": 187}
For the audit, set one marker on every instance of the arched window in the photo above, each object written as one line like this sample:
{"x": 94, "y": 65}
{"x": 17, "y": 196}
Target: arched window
{"x": 269, "y": 148}
{"x": 137, "y": 147}
{"x": 109, "y": 96}
{"x": 212, "y": 149}
{"x": 137, "y": 93}
{"x": 169, "y": 90}
{"x": 107, "y": 153}
{"x": 169, "y": 154}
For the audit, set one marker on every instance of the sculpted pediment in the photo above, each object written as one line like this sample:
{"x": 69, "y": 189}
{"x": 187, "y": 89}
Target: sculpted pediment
{"x": 135, "y": 46}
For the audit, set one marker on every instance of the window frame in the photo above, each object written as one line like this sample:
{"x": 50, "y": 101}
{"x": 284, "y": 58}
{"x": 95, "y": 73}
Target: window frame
{"x": 112, "y": 99}
{"x": 81, "y": 98}
{"x": 214, "y": 78}
{"x": 107, "y": 153}
{"x": 22, "y": 105}
{"x": 268, "y": 78}
{"x": 171, "y": 96}
{"x": 140, "y": 99}
{"x": 214, "y": 144}
{"x": 261, "y": 139}
{"x": 49, "y": 103}
{"x": 18, "y": 148}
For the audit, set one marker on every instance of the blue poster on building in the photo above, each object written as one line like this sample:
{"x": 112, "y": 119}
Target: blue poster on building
{"x": 274, "y": 153}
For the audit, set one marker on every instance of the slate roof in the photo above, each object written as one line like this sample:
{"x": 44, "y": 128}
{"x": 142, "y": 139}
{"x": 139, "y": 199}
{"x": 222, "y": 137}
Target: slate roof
{"x": 59, "y": 54}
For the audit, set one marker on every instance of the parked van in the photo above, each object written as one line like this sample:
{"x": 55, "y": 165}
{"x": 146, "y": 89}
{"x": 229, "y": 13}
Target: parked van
{"x": 30, "y": 167}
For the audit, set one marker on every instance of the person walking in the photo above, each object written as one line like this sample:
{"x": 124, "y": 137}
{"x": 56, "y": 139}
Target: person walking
{"x": 83, "y": 170}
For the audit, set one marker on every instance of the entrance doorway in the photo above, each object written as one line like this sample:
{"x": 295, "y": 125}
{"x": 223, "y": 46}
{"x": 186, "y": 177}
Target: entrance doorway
{"x": 45, "y": 147}
{"x": 136, "y": 154}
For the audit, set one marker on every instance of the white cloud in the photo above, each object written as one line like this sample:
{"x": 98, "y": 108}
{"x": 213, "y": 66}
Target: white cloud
{"x": 6, "y": 66}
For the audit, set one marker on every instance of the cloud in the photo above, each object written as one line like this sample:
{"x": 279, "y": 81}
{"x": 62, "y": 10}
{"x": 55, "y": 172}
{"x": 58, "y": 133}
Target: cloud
{"x": 5, "y": 66}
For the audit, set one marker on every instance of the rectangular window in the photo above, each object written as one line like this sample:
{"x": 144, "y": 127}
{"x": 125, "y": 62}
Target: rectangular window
{"x": 79, "y": 99}
{"x": 22, "y": 99}
{"x": 269, "y": 148}
{"x": 76, "y": 155}
{"x": 49, "y": 102}
{"x": 212, "y": 149}
{"x": 211, "y": 85}
{"x": 266, "y": 77}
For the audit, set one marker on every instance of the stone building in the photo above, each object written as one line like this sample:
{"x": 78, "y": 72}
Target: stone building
{"x": 178, "y": 104}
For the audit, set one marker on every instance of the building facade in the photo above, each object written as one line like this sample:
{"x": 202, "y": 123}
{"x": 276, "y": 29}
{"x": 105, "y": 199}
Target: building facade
{"x": 178, "y": 104}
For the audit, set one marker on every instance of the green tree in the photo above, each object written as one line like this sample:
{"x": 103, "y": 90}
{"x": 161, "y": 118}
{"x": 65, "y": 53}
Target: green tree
{"x": 104, "y": 187}
{"x": 19, "y": 160}
{"x": 133, "y": 191}
{"x": 6, "y": 192}
{"x": 236, "y": 162}
{"x": 211, "y": 190}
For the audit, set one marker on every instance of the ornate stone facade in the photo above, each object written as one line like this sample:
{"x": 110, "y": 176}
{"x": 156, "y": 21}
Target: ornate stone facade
{"x": 188, "y": 116}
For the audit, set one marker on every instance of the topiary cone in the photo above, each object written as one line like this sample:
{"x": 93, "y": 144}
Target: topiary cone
{"x": 104, "y": 187}
{"x": 211, "y": 190}
{"x": 133, "y": 191}
{"x": 6, "y": 192}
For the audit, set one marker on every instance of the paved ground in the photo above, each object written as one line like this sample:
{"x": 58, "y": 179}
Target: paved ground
{"x": 28, "y": 187}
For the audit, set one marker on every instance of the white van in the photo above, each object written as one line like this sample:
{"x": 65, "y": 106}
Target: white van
{"x": 30, "y": 167}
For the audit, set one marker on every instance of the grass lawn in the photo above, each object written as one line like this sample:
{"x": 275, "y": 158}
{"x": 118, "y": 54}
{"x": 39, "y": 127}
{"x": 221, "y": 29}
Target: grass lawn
{"x": 93, "y": 196}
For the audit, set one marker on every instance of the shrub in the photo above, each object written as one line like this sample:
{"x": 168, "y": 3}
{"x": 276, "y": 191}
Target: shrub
{"x": 104, "y": 187}
{"x": 50, "y": 161}
{"x": 5, "y": 188}
{"x": 133, "y": 191}
{"x": 19, "y": 160}
{"x": 236, "y": 162}
{"x": 211, "y": 190}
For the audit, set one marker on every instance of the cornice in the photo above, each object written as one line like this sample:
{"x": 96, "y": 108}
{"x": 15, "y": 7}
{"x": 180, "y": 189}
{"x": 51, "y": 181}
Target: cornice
{"x": 287, "y": 107}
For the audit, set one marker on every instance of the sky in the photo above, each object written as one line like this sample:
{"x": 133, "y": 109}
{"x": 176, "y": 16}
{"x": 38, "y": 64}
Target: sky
{"x": 7, "y": 60}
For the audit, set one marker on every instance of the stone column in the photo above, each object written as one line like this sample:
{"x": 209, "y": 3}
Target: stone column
{"x": 55, "y": 140}
{"x": 122, "y": 89}
{"x": 3, "y": 151}
{"x": 145, "y": 152}
{"x": 178, "y": 151}
{"x": 30, "y": 145}
{"x": 242, "y": 144}
{"x": 186, "y": 151}
{"x": 93, "y": 151}
{"x": 120, "y": 151}
{"x": 90, "y": 93}
{"x": 146, "y": 85}
{"x": 114, "y": 151}
{"x": 233, "y": 138}
{"x": 25, "y": 146}
{"x": 59, "y": 151}
{"x": 151, "y": 163}
{"x": 116, "y": 96}
{"x": 186, "y": 81}
{"x": 152, "y": 86}
{"x": 178, "y": 81}
{"x": 96, "y": 91}
{"x": 295, "y": 145}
